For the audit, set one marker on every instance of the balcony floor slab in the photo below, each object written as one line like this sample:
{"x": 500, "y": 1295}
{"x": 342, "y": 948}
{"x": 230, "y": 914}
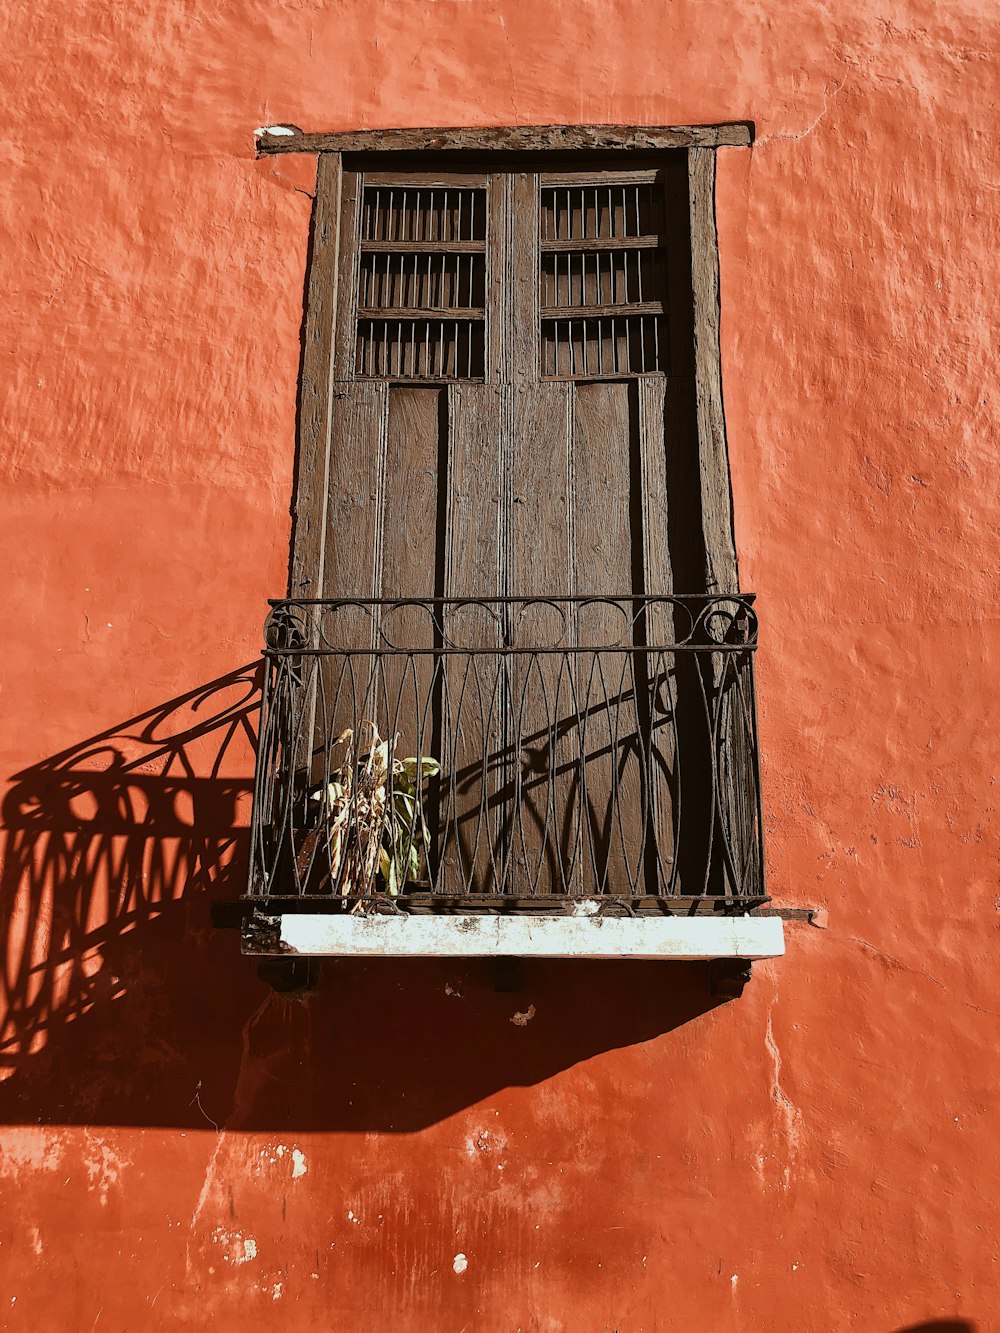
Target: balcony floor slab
{"x": 314, "y": 935}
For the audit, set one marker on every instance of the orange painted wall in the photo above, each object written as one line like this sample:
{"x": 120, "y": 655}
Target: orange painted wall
{"x": 181, "y": 1149}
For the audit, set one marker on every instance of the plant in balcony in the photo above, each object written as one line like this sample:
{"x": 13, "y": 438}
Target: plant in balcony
{"x": 372, "y": 816}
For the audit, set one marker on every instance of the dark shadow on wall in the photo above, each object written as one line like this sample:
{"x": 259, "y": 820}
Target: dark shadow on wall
{"x": 941, "y": 1326}
{"x": 121, "y": 1004}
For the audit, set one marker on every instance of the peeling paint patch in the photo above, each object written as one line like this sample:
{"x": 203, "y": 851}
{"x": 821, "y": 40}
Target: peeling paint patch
{"x": 239, "y": 1249}
{"x": 104, "y": 1166}
{"x": 460, "y": 1263}
{"x": 32, "y": 1149}
{"x": 523, "y": 1017}
{"x": 278, "y": 1152}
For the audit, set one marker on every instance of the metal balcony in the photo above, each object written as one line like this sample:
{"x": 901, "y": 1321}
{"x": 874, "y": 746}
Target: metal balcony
{"x": 579, "y": 756}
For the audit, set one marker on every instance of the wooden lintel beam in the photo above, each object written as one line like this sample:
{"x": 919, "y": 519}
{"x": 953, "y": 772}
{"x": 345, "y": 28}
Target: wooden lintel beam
{"x": 510, "y": 139}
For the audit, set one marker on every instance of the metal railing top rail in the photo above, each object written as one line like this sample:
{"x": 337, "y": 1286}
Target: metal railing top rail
{"x": 583, "y": 623}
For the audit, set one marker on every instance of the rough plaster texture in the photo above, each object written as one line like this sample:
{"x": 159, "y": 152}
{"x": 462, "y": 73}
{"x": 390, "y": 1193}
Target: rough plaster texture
{"x": 410, "y": 1149}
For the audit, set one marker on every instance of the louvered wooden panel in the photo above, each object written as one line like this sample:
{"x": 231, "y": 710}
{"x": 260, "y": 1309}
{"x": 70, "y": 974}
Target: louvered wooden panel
{"x": 421, "y": 284}
{"x": 418, "y": 213}
{"x": 600, "y": 211}
{"x": 602, "y": 346}
{"x": 602, "y": 281}
{"x": 600, "y": 277}
{"x": 423, "y": 280}
{"x": 419, "y": 349}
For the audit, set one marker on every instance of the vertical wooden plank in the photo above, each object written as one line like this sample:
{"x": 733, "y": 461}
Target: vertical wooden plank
{"x": 347, "y": 689}
{"x": 308, "y": 694}
{"x": 613, "y": 826}
{"x": 410, "y": 524}
{"x": 474, "y": 695}
{"x": 355, "y": 489}
{"x": 315, "y": 405}
{"x": 721, "y": 772}
{"x": 351, "y": 190}
{"x": 716, "y": 496}
{"x": 655, "y": 672}
{"x": 523, "y": 280}
{"x": 544, "y": 737}
{"x": 411, "y": 512}
{"x": 500, "y": 276}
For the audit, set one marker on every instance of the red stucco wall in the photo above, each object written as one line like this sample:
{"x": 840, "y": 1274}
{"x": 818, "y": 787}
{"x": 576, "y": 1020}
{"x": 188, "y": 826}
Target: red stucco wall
{"x": 181, "y": 1149}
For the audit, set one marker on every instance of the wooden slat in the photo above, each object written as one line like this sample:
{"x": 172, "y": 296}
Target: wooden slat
{"x": 474, "y": 720}
{"x": 610, "y": 791}
{"x": 410, "y": 506}
{"x": 309, "y": 537}
{"x": 523, "y": 280}
{"x": 420, "y": 312}
{"x": 422, "y": 247}
{"x": 427, "y": 180}
{"x": 347, "y": 276}
{"x": 587, "y": 179}
{"x": 591, "y": 243}
{"x": 500, "y": 278}
{"x": 308, "y": 541}
{"x": 353, "y": 545}
{"x": 596, "y": 311}
{"x": 355, "y": 490}
{"x": 716, "y": 496}
{"x": 657, "y": 698}
{"x": 409, "y": 568}
{"x": 519, "y": 138}
{"x": 544, "y": 737}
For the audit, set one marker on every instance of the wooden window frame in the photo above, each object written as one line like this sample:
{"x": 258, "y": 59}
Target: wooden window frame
{"x": 318, "y": 392}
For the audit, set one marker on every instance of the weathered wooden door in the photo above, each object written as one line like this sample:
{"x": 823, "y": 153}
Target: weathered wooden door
{"x": 512, "y": 416}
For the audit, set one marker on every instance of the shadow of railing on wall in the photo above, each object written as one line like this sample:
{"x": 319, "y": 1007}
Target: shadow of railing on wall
{"x": 110, "y": 847}
{"x": 121, "y": 1003}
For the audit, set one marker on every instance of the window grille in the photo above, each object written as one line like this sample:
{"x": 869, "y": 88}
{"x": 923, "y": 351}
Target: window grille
{"x": 602, "y": 280}
{"x": 421, "y": 284}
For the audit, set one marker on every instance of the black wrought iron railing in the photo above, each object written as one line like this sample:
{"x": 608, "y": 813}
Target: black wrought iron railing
{"x": 509, "y": 754}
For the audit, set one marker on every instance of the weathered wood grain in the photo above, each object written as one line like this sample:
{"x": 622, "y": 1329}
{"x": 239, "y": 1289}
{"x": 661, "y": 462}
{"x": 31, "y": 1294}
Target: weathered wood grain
{"x": 345, "y": 337}
{"x": 654, "y": 685}
{"x": 544, "y": 740}
{"x": 516, "y": 138}
{"x": 716, "y": 495}
{"x": 611, "y": 850}
{"x": 476, "y": 758}
{"x": 312, "y": 481}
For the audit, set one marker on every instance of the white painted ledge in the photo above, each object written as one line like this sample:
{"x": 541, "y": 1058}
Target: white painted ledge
{"x": 381, "y": 936}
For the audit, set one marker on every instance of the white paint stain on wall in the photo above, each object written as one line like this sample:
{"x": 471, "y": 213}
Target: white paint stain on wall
{"x": 460, "y": 1263}
{"x": 29, "y": 1149}
{"x": 789, "y": 1116}
{"x": 104, "y": 1165}
{"x": 278, "y": 1153}
{"x": 238, "y": 1249}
